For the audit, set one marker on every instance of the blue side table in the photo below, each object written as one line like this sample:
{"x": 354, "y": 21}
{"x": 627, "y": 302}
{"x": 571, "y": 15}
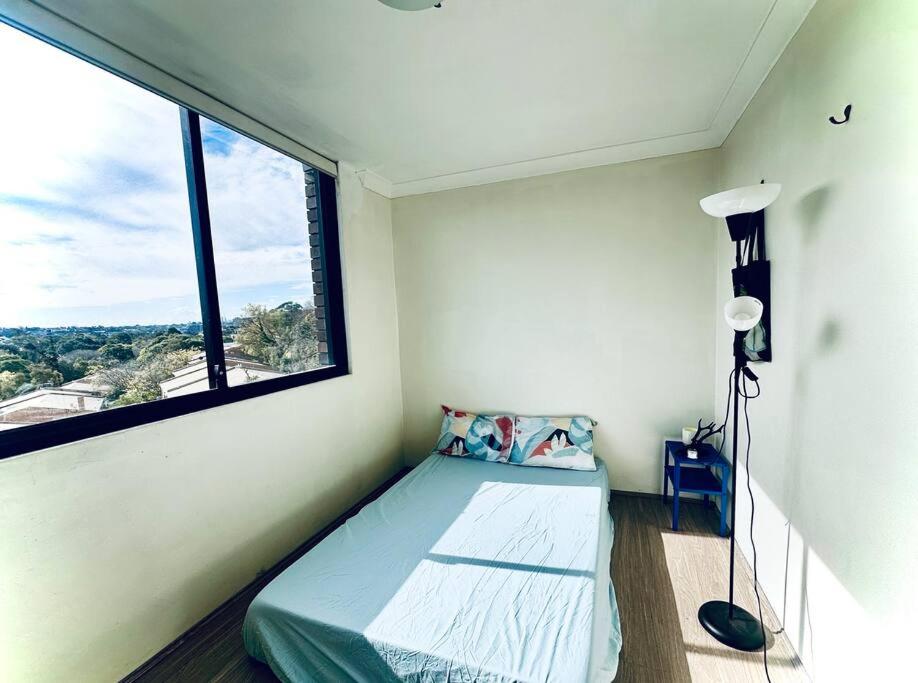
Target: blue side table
{"x": 695, "y": 476}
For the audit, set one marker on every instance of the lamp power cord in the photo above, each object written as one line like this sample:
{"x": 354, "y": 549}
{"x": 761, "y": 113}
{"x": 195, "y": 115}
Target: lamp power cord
{"x": 755, "y": 570}
{"x": 746, "y": 396}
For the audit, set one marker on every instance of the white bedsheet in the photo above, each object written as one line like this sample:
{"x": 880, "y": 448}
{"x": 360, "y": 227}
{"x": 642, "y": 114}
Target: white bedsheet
{"x": 463, "y": 571}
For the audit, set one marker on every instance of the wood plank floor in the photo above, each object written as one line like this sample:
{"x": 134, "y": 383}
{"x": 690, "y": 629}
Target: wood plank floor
{"x": 660, "y": 579}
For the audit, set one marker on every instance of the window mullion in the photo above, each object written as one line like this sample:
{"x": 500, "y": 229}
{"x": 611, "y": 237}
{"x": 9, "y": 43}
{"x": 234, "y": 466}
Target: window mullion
{"x": 203, "y": 248}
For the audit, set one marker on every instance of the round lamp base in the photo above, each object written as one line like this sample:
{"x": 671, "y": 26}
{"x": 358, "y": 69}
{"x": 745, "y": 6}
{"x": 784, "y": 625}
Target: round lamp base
{"x": 742, "y": 632}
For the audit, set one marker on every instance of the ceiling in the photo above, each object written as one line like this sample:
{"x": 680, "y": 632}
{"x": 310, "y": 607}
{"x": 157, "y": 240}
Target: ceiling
{"x": 477, "y": 91}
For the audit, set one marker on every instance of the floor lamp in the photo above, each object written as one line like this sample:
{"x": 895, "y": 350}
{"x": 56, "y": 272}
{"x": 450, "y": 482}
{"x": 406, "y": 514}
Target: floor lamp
{"x": 727, "y": 622}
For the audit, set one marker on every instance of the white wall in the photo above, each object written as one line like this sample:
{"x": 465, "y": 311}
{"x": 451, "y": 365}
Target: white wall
{"x": 835, "y": 430}
{"x": 110, "y": 548}
{"x": 580, "y": 292}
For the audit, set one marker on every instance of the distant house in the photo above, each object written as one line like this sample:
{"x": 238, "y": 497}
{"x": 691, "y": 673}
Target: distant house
{"x": 79, "y": 397}
{"x": 240, "y": 369}
{"x": 47, "y": 404}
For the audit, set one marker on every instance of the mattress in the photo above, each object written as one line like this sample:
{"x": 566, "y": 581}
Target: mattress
{"x": 463, "y": 571}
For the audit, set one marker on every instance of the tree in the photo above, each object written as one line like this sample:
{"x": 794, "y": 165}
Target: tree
{"x": 138, "y": 381}
{"x": 10, "y": 383}
{"x": 70, "y": 371}
{"x": 79, "y": 363}
{"x": 42, "y": 374}
{"x": 284, "y": 338}
{"x": 14, "y": 364}
{"x": 79, "y": 342}
{"x": 117, "y": 352}
{"x": 165, "y": 344}
{"x": 40, "y": 349}
{"x": 119, "y": 338}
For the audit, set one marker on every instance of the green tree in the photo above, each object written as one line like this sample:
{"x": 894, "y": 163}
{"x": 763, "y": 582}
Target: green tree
{"x": 70, "y": 371}
{"x": 168, "y": 343}
{"x": 79, "y": 363}
{"x": 39, "y": 349}
{"x": 284, "y": 338}
{"x": 138, "y": 382}
{"x": 41, "y": 374}
{"x": 7, "y": 348}
{"x": 117, "y": 352}
{"x": 14, "y": 364}
{"x": 119, "y": 338}
{"x": 10, "y": 383}
{"x": 79, "y": 342}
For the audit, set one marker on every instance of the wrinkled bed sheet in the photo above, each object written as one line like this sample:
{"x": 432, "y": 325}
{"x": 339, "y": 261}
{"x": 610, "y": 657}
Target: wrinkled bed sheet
{"x": 463, "y": 571}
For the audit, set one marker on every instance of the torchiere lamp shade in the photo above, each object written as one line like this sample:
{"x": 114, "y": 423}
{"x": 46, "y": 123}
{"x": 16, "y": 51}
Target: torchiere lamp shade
{"x": 742, "y": 313}
{"x": 747, "y": 199}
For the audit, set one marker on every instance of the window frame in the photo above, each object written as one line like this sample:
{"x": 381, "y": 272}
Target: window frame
{"x": 22, "y": 440}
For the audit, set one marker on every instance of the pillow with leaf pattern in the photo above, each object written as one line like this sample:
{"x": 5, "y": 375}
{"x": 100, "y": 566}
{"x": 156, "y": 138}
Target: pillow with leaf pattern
{"x": 468, "y": 435}
{"x": 562, "y": 442}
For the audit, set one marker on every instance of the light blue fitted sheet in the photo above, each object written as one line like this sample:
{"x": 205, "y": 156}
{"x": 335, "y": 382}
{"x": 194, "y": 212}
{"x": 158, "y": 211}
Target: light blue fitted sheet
{"x": 464, "y": 570}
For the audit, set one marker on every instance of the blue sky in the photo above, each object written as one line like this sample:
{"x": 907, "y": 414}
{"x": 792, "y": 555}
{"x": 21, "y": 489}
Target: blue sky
{"x": 94, "y": 218}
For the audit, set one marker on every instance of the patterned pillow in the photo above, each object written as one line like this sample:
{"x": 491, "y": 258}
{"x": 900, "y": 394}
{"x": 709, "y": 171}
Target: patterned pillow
{"x": 483, "y": 437}
{"x": 563, "y": 442}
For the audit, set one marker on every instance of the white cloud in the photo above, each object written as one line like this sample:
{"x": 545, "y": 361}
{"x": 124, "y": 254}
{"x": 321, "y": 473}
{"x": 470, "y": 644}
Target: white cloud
{"x": 94, "y": 212}
{"x": 258, "y": 212}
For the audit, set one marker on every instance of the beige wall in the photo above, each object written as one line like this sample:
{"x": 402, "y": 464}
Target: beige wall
{"x": 835, "y": 431}
{"x": 581, "y": 292}
{"x": 110, "y": 548}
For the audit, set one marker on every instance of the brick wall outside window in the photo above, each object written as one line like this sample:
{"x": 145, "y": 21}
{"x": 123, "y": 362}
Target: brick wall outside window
{"x": 315, "y": 254}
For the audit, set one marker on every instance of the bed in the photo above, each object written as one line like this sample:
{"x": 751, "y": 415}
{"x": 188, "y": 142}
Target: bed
{"x": 463, "y": 571}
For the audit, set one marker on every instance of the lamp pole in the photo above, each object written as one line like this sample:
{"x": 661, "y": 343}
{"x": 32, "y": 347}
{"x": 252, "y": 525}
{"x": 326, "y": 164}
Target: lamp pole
{"x": 730, "y": 624}
{"x": 739, "y": 361}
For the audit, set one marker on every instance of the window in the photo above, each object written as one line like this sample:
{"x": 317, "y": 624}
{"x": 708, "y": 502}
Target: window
{"x": 264, "y": 224}
{"x": 153, "y": 262}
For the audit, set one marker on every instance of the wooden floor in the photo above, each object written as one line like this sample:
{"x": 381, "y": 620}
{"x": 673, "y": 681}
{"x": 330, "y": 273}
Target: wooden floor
{"x": 660, "y": 578}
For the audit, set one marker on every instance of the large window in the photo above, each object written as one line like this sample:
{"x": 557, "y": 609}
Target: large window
{"x": 152, "y": 262}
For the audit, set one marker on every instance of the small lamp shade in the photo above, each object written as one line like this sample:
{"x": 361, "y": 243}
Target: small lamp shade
{"x": 747, "y": 199}
{"x": 743, "y": 313}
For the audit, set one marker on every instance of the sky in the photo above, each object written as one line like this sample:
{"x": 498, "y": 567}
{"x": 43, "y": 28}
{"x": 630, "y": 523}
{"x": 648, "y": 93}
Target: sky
{"x": 95, "y": 227}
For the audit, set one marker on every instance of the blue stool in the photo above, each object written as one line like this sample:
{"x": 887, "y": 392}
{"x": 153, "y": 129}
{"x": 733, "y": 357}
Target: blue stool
{"x": 695, "y": 476}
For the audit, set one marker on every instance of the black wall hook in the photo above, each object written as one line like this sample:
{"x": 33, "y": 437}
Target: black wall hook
{"x": 835, "y": 121}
